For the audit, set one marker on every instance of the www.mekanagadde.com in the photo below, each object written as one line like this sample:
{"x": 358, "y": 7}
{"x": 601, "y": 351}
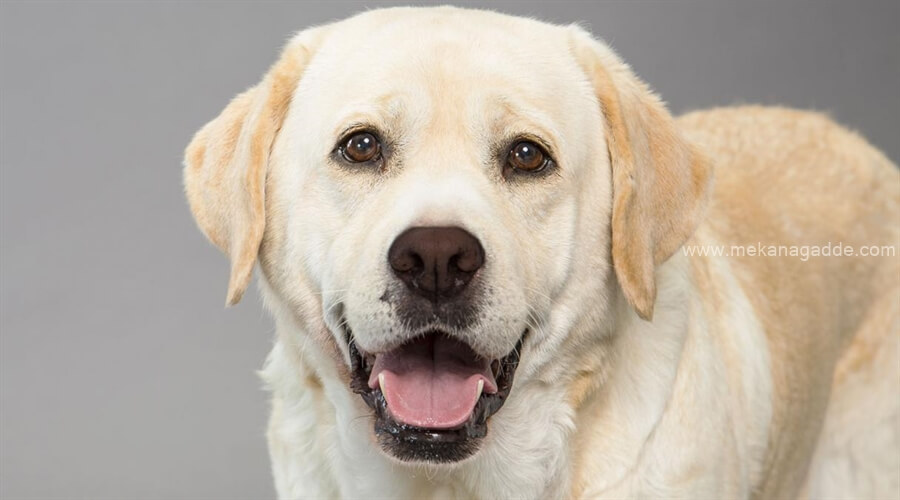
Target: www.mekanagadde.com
{"x": 802, "y": 252}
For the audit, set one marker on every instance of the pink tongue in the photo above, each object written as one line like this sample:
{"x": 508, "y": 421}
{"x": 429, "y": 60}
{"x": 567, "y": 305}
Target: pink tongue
{"x": 432, "y": 382}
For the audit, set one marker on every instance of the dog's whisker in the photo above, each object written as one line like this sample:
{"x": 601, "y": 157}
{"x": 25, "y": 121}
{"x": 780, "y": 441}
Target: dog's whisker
{"x": 535, "y": 291}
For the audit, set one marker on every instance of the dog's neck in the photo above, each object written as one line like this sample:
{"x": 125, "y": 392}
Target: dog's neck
{"x": 633, "y": 386}
{"x": 322, "y": 445}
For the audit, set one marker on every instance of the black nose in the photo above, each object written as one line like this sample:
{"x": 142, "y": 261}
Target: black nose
{"x": 436, "y": 262}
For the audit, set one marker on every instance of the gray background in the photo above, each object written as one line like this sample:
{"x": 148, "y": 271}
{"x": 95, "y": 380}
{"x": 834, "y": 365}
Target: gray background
{"x": 122, "y": 376}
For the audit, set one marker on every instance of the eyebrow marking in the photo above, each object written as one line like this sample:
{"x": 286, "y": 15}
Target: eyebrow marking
{"x": 512, "y": 121}
{"x": 374, "y": 113}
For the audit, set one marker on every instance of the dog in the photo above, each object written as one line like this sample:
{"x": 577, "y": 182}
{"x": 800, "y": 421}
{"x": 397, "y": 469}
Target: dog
{"x": 482, "y": 241}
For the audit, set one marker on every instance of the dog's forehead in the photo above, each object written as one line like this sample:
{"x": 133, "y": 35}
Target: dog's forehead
{"x": 457, "y": 63}
{"x": 411, "y": 34}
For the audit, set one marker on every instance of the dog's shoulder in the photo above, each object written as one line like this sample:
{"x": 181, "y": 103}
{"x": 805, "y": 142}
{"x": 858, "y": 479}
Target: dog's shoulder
{"x": 786, "y": 185}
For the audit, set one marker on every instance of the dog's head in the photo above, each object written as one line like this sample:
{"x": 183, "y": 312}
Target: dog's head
{"x": 439, "y": 195}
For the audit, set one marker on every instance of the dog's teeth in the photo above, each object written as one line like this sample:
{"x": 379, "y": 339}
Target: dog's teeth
{"x": 480, "y": 388}
{"x": 381, "y": 381}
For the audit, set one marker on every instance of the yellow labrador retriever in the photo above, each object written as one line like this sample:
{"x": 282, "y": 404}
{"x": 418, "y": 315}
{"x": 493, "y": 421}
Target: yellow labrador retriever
{"x": 500, "y": 269}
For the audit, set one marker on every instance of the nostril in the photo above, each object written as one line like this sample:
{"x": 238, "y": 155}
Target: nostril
{"x": 407, "y": 262}
{"x": 453, "y": 264}
{"x": 468, "y": 260}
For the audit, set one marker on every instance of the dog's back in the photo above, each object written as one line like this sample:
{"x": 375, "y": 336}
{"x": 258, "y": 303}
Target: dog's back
{"x": 791, "y": 185}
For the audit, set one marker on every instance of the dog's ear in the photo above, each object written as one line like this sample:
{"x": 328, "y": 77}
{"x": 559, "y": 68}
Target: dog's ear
{"x": 661, "y": 182}
{"x": 225, "y": 164}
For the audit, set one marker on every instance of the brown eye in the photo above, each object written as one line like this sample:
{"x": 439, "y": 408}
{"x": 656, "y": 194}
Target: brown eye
{"x": 527, "y": 156}
{"x": 361, "y": 147}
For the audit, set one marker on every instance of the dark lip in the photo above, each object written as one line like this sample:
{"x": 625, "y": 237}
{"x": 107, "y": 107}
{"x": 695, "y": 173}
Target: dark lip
{"x": 410, "y": 443}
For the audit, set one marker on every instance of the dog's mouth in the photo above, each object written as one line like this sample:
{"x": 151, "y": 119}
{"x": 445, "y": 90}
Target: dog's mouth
{"x": 432, "y": 395}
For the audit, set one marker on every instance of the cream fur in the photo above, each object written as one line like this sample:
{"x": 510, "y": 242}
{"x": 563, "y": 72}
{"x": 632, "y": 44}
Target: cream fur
{"x": 648, "y": 372}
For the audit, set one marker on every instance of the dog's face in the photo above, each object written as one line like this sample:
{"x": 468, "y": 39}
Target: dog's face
{"x": 433, "y": 195}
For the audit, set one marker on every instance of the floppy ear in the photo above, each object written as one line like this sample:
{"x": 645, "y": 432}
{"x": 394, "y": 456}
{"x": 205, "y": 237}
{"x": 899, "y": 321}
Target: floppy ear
{"x": 661, "y": 182}
{"x": 226, "y": 162}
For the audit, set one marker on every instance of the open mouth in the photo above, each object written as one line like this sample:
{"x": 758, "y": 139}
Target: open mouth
{"x": 432, "y": 395}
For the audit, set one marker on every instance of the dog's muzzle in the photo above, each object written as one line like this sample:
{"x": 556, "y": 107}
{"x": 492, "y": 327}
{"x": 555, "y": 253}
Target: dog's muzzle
{"x": 433, "y": 393}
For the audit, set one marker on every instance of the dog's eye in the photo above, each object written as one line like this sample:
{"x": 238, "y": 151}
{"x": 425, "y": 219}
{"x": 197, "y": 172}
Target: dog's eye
{"x": 528, "y": 157}
{"x": 361, "y": 147}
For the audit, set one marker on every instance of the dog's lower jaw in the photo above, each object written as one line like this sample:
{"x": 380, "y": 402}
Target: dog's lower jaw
{"x": 322, "y": 445}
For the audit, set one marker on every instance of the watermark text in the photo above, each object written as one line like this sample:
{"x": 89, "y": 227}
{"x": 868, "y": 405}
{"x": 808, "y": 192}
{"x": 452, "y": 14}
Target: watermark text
{"x": 802, "y": 252}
